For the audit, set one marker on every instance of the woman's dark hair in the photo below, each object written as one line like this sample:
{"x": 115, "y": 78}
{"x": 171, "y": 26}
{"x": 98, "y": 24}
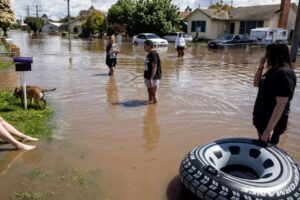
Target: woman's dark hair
{"x": 277, "y": 55}
{"x": 149, "y": 43}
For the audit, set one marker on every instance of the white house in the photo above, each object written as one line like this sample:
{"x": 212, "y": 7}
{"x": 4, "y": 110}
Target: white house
{"x": 75, "y": 26}
{"x": 51, "y": 27}
{"x": 211, "y": 23}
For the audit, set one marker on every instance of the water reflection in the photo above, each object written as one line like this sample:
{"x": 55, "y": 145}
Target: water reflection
{"x": 111, "y": 92}
{"x": 8, "y": 158}
{"x": 151, "y": 129}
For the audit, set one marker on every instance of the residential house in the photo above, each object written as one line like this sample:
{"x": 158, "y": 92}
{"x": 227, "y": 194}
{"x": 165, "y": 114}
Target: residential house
{"x": 243, "y": 19}
{"x": 75, "y": 26}
{"x": 211, "y": 23}
{"x": 183, "y": 24}
{"x": 51, "y": 27}
{"x": 207, "y": 23}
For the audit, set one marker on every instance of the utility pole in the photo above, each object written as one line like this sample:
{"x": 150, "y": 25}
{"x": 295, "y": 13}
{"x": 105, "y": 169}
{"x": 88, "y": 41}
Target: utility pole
{"x": 296, "y": 36}
{"x": 38, "y": 8}
{"x": 69, "y": 30}
{"x": 27, "y": 10}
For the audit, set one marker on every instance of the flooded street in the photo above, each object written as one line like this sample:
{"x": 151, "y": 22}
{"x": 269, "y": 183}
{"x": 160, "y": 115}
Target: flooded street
{"x": 108, "y": 144}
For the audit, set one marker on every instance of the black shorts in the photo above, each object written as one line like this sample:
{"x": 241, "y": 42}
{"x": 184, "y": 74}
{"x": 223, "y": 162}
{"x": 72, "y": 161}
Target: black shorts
{"x": 111, "y": 62}
{"x": 278, "y": 130}
{"x": 180, "y": 48}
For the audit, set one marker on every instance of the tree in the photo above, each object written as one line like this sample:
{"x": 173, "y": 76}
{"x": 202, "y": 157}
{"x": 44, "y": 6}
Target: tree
{"x": 158, "y": 16}
{"x": 95, "y": 23}
{"x": 119, "y": 14}
{"x": 34, "y": 23}
{"x": 221, "y": 6}
{"x": 66, "y": 18}
{"x": 6, "y": 15}
{"x": 188, "y": 9}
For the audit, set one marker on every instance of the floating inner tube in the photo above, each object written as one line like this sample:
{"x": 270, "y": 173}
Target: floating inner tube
{"x": 240, "y": 169}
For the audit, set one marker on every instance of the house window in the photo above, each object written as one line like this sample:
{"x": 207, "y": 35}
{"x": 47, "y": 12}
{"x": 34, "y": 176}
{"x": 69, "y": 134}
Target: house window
{"x": 246, "y": 26}
{"x": 198, "y": 26}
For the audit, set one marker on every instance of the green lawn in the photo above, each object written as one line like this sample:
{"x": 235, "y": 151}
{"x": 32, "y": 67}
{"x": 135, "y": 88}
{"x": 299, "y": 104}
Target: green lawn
{"x": 5, "y": 65}
{"x": 34, "y": 121}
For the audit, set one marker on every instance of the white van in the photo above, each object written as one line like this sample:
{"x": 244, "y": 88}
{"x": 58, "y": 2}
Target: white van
{"x": 269, "y": 35}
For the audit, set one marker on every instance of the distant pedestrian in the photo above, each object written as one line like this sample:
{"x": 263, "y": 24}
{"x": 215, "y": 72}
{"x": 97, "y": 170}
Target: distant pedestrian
{"x": 112, "y": 50}
{"x": 180, "y": 45}
{"x": 152, "y": 71}
{"x": 91, "y": 37}
{"x": 275, "y": 91}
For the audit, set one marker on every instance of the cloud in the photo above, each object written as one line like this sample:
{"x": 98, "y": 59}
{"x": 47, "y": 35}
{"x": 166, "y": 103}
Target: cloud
{"x": 58, "y": 8}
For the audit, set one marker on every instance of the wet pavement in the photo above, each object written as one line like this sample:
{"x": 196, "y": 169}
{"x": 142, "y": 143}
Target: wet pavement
{"x": 107, "y": 142}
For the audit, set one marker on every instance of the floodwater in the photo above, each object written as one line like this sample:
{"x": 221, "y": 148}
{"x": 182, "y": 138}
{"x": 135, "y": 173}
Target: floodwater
{"x": 108, "y": 144}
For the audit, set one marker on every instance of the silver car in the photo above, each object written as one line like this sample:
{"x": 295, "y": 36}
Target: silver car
{"x": 142, "y": 37}
{"x": 171, "y": 37}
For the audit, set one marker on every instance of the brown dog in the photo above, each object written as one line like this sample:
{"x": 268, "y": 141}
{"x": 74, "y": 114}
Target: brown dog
{"x": 34, "y": 93}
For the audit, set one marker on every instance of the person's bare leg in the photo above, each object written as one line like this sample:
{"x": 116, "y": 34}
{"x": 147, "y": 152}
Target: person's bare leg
{"x": 111, "y": 71}
{"x": 5, "y": 135}
{"x": 150, "y": 95}
{"x": 154, "y": 94}
{"x": 13, "y": 131}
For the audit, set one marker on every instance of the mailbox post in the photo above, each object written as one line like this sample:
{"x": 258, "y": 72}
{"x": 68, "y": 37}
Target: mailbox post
{"x": 23, "y": 64}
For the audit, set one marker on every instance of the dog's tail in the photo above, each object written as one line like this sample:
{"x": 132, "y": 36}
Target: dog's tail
{"x": 49, "y": 90}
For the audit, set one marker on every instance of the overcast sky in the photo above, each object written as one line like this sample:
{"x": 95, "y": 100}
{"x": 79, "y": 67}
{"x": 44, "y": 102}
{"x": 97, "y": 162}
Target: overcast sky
{"x": 55, "y": 9}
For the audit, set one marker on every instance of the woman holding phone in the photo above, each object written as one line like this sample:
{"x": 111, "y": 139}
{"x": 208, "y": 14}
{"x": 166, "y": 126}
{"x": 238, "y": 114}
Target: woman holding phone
{"x": 275, "y": 91}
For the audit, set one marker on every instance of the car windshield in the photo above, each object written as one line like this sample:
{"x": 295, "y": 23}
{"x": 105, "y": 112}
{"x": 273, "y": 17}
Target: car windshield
{"x": 226, "y": 37}
{"x": 152, "y": 36}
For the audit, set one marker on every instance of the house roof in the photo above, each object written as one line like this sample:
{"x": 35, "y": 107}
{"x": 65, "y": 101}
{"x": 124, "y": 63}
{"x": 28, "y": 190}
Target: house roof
{"x": 184, "y": 14}
{"x": 262, "y": 12}
{"x": 55, "y": 24}
{"x": 71, "y": 22}
{"x": 257, "y": 12}
{"x": 215, "y": 14}
{"x": 212, "y": 13}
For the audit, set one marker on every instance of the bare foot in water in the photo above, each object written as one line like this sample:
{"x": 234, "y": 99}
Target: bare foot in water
{"x": 25, "y": 147}
{"x": 29, "y": 139}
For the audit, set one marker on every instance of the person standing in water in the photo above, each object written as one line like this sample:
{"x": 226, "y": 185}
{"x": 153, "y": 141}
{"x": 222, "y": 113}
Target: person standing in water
{"x": 275, "y": 91}
{"x": 112, "y": 50}
{"x": 180, "y": 45}
{"x": 152, "y": 70}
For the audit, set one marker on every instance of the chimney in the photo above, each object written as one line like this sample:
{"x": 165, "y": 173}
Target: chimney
{"x": 284, "y": 13}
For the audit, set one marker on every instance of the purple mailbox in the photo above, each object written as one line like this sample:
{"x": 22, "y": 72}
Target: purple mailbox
{"x": 23, "y": 63}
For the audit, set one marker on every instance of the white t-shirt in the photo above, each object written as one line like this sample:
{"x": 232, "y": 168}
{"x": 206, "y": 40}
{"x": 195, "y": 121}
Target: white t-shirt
{"x": 179, "y": 42}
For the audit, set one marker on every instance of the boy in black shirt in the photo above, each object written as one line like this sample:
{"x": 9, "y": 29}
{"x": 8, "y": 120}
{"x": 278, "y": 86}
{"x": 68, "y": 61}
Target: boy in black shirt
{"x": 152, "y": 71}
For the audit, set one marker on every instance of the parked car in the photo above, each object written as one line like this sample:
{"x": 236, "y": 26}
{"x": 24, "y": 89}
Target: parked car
{"x": 171, "y": 37}
{"x": 188, "y": 38}
{"x": 229, "y": 39}
{"x": 142, "y": 37}
{"x": 269, "y": 35}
